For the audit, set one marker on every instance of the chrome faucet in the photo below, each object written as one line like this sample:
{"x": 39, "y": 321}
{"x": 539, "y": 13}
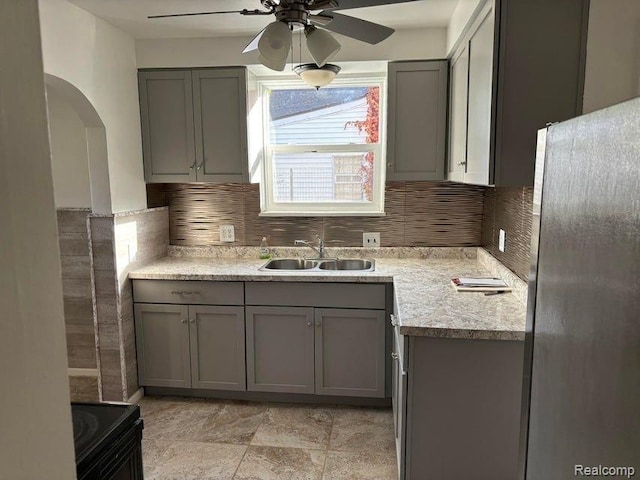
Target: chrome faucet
{"x": 319, "y": 249}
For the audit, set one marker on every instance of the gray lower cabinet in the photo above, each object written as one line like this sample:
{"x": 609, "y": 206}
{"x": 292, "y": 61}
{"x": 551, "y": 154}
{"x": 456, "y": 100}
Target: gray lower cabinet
{"x": 417, "y": 120}
{"x": 190, "y": 346}
{"x": 349, "y": 352}
{"x": 399, "y": 377}
{"x": 461, "y": 414}
{"x": 162, "y": 342}
{"x": 217, "y": 340}
{"x": 280, "y": 349}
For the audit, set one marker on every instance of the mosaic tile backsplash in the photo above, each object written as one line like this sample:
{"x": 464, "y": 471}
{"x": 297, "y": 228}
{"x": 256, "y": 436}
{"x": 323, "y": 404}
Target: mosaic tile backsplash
{"x": 417, "y": 214}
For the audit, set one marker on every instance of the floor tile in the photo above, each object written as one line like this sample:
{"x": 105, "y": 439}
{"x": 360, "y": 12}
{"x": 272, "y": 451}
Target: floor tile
{"x": 273, "y": 463}
{"x": 177, "y": 420}
{"x": 233, "y": 423}
{"x": 196, "y": 461}
{"x": 362, "y": 430}
{"x": 297, "y": 427}
{"x": 360, "y": 466}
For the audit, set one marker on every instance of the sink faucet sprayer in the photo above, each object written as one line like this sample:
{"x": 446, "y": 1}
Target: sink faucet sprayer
{"x": 319, "y": 249}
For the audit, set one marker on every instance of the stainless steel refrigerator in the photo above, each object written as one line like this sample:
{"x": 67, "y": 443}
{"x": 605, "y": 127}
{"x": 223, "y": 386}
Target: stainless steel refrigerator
{"x": 581, "y": 407}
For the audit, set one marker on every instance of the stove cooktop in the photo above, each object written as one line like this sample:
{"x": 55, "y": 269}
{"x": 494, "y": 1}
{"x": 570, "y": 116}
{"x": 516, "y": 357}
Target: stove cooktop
{"x": 94, "y": 423}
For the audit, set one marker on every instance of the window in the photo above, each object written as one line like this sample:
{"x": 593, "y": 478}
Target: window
{"x": 323, "y": 149}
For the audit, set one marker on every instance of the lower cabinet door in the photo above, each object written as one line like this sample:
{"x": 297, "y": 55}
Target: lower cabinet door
{"x": 280, "y": 349}
{"x": 162, "y": 342}
{"x": 349, "y": 352}
{"x": 217, "y": 347}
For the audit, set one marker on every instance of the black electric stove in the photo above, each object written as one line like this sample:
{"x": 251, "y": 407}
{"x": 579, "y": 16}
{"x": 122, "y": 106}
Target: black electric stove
{"x": 107, "y": 439}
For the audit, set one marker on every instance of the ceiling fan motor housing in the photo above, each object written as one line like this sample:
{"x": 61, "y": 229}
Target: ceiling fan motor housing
{"x": 293, "y": 13}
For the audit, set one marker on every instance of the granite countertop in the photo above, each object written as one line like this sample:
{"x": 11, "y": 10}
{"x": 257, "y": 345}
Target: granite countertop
{"x": 427, "y": 303}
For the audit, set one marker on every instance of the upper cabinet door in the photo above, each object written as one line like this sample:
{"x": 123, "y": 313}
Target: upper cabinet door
{"x": 417, "y": 117}
{"x": 458, "y": 116}
{"x": 166, "y": 109}
{"x": 479, "y": 135}
{"x": 220, "y": 113}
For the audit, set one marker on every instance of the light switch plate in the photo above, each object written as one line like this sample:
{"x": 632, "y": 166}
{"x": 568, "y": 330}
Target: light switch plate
{"x": 502, "y": 240}
{"x": 227, "y": 233}
{"x": 371, "y": 239}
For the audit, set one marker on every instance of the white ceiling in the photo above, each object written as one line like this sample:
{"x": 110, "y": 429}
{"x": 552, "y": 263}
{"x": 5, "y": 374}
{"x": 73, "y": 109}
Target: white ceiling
{"x": 131, "y": 16}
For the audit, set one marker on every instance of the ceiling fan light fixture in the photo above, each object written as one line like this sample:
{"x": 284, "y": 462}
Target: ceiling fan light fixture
{"x": 316, "y": 76}
{"x": 277, "y": 65}
{"x": 275, "y": 42}
{"x": 322, "y": 46}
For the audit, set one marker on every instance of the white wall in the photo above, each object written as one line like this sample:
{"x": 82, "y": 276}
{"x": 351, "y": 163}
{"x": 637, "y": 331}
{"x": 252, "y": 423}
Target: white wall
{"x": 36, "y": 437}
{"x": 99, "y": 60}
{"x": 69, "y": 159}
{"x": 412, "y": 44}
{"x": 613, "y": 53}
{"x": 461, "y": 16}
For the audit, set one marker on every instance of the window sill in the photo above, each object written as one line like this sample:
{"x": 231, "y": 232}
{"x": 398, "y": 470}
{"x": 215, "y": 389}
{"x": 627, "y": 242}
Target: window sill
{"x": 321, "y": 214}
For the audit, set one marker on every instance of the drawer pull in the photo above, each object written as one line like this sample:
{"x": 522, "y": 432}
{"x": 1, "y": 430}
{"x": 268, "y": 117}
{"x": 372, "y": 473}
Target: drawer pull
{"x": 183, "y": 320}
{"x": 185, "y": 292}
{"x": 395, "y": 356}
{"x": 394, "y": 321}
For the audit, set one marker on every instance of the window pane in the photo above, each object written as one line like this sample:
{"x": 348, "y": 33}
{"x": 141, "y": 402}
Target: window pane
{"x": 323, "y": 177}
{"x": 329, "y": 116}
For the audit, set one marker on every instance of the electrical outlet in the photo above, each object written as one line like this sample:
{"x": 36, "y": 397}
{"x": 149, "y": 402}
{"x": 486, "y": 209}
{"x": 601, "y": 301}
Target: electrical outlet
{"x": 502, "y": 240}
{"x": 227, "y": 233}
{"x": 371, "y": 239}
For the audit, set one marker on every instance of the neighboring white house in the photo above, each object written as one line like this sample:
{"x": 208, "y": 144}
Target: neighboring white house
{"x": 320, "y": 176}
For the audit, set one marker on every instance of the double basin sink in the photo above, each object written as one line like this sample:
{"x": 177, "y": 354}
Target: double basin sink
{"x": 297, "y": 264}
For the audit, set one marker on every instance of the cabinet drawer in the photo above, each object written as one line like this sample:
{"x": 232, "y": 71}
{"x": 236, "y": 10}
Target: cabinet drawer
{"x": 194, "y": 292}
{"x": 338, "y": 295}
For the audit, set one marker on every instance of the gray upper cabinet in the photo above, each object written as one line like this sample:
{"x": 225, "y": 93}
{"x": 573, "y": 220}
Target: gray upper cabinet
{"x": 459, "y": 73}
{"x": 525, "y": 65}
{"x": 194, "y": 124}
{"x": 417, "y": 117}
{"x": 166, "y": 109}
{"x": 217, "y": 347}
{"x": 480, "y": 74}
{"x": 280, "y": 354}
{"x": 349, "y": 352}
{"x": 220, "y": 99}
{"x": 162, "y": 342}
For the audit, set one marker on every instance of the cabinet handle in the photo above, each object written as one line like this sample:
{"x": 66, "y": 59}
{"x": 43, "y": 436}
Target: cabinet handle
{"x": 192, "y": 166}
{"x": 309, "y": 324}
{"x": 192, "y": 320}
{"x": 199, "y": 166}
{"x": 389, "y": 164}
{"x": 394, "y": 321}
{"x": 185, "y": 292}
{"x": 460, "y": 164}
{"x": 318, "y": 324}
{"x": 395, "y": 356}
{"x": 183, "y": 320}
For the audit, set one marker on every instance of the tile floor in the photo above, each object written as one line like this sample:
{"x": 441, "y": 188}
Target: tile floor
{"x": 198, "y": 439}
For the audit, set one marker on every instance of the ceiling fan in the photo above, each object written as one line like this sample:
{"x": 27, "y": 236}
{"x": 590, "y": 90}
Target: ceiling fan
{"x": 274, "y": 41}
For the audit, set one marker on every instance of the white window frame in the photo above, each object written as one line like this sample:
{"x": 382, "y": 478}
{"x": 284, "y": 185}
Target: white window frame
{"x": 268, "y": 205}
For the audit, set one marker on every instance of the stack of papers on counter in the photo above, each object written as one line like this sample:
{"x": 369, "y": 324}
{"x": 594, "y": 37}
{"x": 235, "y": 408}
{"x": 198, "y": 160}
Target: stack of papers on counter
{"x": 470, "y": 284}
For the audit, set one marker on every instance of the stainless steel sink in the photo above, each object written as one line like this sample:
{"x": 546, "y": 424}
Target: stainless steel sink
{"x": 290, "y": 264}
{"x": 296, "y": 264}
{"x": 347, "y": 264}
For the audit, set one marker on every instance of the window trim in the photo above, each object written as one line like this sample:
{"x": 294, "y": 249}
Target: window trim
{"x": 268, "y": 205}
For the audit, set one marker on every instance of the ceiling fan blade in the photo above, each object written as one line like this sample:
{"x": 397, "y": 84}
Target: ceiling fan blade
{"x": 321, "y": 20}
{"x": 345, "y": 4}
{"x": 241, "y": 12}
{"x": 253, "y": 44}
{"x": 362, "y": 30}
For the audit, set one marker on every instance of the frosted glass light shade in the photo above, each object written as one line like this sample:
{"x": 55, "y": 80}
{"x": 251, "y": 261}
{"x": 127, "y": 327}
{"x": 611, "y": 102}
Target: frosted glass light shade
{"x": 277, "y": 65}
{"x": 316, "y": 76}
{"x": 275, "y": 43}
{"x": 322, "y": 46}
